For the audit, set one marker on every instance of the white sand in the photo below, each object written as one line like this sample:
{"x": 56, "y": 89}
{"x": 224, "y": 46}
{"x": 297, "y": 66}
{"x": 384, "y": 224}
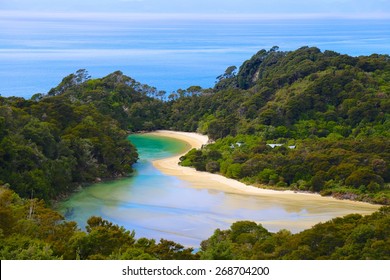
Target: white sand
{"x": 211, "y": 181}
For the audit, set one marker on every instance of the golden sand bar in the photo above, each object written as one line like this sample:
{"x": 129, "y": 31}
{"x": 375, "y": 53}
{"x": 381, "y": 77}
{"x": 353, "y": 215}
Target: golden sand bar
{"x": 292, "y": 201}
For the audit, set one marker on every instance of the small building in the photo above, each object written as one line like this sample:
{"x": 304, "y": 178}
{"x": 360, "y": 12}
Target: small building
{"x": 279, "y": 145}
{"x": 275, "y": 145}
{"x": 238, "y": 144}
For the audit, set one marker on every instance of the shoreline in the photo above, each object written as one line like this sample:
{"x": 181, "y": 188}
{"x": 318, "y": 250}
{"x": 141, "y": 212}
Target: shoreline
{"x": 210, "y": 181}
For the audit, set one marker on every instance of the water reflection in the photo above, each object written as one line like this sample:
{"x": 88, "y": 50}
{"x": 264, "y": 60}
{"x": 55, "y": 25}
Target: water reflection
{"x": 159, "y": 206}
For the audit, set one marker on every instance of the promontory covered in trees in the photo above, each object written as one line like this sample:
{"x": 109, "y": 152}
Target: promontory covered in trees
{"x": 304, "y": 120}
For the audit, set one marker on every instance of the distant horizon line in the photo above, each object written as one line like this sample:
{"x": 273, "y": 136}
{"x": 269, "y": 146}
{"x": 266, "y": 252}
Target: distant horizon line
{"x": 11, "y": 14}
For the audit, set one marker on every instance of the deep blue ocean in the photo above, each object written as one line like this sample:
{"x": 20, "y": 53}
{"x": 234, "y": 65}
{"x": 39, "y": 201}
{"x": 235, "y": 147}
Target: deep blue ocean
{"x": 36, "y": 53}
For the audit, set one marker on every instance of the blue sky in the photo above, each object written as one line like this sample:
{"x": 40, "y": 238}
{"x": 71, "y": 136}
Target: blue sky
{"x": 337, "y": 8}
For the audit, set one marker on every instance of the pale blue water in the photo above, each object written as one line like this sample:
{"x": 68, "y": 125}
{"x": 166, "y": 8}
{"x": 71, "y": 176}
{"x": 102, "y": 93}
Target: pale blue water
{"x": 36, "y": 53}
{"x": 159, "y": 206}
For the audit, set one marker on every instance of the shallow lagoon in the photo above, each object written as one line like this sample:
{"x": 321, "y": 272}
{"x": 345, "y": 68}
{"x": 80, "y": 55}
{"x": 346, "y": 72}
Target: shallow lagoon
{"x": 160, "y": 206}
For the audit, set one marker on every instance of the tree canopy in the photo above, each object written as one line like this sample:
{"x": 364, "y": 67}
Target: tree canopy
{"x": 305, "y": 120}
{"x": 328, "y": 113}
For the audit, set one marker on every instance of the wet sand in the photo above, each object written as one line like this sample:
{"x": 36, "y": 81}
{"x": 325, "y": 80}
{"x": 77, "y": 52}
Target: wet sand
{"x": 188, "y": 206}
{"x": 294, "y": 201}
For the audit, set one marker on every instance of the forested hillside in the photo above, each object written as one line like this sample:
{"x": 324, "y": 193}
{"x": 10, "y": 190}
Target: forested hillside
{"x": 329, "y": 115}
{"x": 332, "y": 109}
{"x": 304, "y": 120}
{"x": 51, "y": 144}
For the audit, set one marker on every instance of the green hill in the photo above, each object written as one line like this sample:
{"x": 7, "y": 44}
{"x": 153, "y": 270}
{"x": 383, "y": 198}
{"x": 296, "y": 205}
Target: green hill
{"x": 75, "y": 134}
{"x": 333, "y": 109}
{"x": 304, "y": 120}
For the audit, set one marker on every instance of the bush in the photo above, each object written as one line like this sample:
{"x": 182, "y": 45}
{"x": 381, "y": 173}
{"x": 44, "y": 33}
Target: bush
{"x": 212, "y": 166}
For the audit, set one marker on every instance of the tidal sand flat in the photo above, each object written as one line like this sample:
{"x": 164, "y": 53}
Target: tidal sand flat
{"x": 165, "y": 200}
{"x": 312, "y": 208}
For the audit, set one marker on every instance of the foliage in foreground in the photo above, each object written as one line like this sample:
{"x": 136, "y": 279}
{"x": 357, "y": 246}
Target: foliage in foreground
{"x": 29, "y": 230}
{"x": 351, "y": 237}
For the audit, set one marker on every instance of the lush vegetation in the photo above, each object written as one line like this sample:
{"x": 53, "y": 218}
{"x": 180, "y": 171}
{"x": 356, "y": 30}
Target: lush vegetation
{"x": 330, "y": 113}
{"x": 51, "y": 144}
{"x": 348, "y": 168}
{"x": 333, "y": 109}
{"x": 305, "y": 120}
{"x": 29, "y": 230}
{"x": 351, "y": 237}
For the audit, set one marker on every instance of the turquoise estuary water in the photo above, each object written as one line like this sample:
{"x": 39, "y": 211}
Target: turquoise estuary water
{"x": 160, "y": 206}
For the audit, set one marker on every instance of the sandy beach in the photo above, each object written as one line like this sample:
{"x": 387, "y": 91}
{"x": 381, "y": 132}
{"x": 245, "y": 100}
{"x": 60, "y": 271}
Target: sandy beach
{"x": 205, "y": 180}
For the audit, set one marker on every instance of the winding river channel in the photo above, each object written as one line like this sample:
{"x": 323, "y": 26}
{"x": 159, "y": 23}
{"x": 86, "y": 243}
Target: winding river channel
{"x": 157, "y": 206}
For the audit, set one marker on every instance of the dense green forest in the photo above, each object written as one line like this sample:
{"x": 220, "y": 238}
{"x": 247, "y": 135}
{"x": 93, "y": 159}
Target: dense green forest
{"x": 304, "y": 120}
{"x": 29, "y": 230}
{"x": 328, "y": 114}
{"x": 51, "y": 145}
{"x": 74, "y": 134}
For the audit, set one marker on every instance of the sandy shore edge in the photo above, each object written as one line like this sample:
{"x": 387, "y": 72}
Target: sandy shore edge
{"x": 205, "y": 180}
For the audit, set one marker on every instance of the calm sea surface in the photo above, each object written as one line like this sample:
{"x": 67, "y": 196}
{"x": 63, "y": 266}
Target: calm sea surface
{"x": 159, "y": 206}
{"x": 36, "y": 53}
